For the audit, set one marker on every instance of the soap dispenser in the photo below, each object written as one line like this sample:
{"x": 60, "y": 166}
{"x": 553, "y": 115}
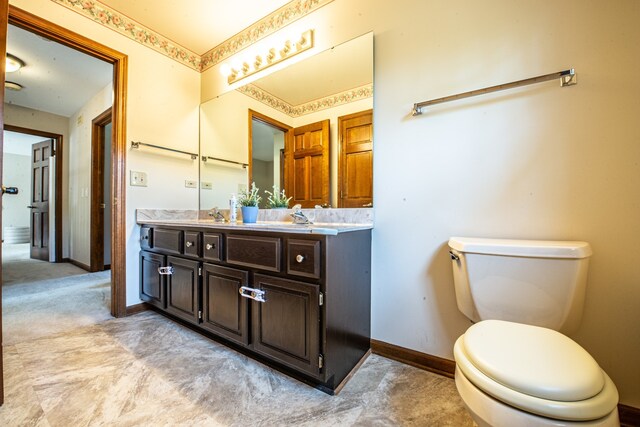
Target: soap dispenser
{"x": 233, "y": 209}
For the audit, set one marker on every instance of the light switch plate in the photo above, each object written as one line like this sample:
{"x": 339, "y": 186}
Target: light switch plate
{"x": 206, "y": 185}
{"x": 190, "y": 183}
{"x": 138, "y": 179}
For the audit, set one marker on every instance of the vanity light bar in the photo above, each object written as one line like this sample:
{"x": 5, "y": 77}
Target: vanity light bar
{"x": 272, "y": 57}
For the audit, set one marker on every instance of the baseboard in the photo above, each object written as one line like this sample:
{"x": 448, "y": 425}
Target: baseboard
{"x": 136, "y": 308}
{"x": 77, "y": 264}
{"x": 420, "y": 360}
{"x": 629, "y": 416}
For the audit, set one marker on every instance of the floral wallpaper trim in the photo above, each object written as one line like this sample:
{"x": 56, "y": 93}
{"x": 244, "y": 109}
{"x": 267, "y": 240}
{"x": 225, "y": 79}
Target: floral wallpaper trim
{"x": 330, "y": 101}
{"x": 126, "y": 26}
{"x": 110, "y": 18}
{"x": 271, "y": 23}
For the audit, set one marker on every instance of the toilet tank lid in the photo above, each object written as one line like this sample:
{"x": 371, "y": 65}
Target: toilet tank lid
{"x": 523, "y": 248}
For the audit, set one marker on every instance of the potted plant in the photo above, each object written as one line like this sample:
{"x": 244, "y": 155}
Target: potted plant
{"x": 248, "y": 201}
{"x": 278, "y": 199}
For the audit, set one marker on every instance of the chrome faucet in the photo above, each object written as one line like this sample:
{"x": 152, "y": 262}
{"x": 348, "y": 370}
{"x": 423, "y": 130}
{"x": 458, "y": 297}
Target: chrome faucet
{"x": 216, "y": 215}
{"x": 298, "y": 216}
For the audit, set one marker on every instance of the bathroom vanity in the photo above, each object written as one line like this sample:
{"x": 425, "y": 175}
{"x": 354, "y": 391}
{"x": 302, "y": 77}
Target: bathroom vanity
{"x": 296, "y": 297}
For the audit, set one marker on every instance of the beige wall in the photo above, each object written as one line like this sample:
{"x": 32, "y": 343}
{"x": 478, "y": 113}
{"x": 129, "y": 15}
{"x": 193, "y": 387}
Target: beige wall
{"x": 539, "y": 162}
{"x": 79, "y": 189}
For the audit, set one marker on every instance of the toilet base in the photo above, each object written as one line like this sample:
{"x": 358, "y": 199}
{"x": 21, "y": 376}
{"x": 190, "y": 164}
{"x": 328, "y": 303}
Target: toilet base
{"x": 489, "y": 412}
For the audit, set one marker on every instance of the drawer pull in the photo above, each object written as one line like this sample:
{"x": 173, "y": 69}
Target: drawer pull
{"x": 299, "y": 258}
{"x": 189, "y": 244}
{"x": 251, "y": 293}
{"x": 210, "y": 246}
{"x": 165, "y": 271}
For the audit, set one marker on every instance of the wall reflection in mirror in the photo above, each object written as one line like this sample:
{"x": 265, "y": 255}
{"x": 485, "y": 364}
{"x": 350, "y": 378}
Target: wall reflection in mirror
{"x": 307, "y": 129}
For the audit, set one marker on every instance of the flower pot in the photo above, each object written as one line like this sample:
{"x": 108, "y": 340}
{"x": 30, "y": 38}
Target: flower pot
{"x": 249, "y": 214}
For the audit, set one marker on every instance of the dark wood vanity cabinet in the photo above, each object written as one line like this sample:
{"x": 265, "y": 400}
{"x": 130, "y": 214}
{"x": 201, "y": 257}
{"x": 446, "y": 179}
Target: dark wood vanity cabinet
{"x": 224, "y": 310}
{"x": 286, "y": 326}
{"x": 301, "y": 301}
{"x": 152, "y": 286}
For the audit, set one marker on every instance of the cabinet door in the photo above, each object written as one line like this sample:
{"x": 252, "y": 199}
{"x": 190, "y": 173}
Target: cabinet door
{"x": 224, "y": 311}
{"x": 152, "y": 286}
{"x": 286, "y": 326}
{"x": 182, "y": 288}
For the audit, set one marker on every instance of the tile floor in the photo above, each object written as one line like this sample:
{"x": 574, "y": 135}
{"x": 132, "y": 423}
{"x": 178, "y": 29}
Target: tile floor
{"x": 71, "y": 364}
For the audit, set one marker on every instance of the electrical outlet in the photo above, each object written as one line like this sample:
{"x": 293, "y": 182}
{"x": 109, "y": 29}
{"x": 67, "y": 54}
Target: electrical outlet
{"x": 206, "y": 185}
{"x": 138, "y": 179}
{"x": 190, "y": 183}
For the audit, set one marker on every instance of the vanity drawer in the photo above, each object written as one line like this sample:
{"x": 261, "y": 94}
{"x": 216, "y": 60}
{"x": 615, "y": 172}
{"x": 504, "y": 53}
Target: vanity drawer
{"x": 192, "y": 243}
{"x": 167, "y": 240}
{"x": 146, "y": 237}
{"x": 257, "y": 252}
{"x": 303, "y": 258}
{"x": 211, "y": 247}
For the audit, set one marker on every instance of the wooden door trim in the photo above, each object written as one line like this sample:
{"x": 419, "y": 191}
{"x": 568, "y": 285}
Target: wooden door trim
{"x": 271, "y": 122}
{"x": 96, "y": 221}
{"x": 341, "y": 165}
{"x": 49, "y": 30}
{"x": 4, "y": 4}
{"x": 58, "y": 162}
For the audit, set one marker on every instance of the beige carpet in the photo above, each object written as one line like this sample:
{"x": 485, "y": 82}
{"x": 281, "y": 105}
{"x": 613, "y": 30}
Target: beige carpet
{"x": 41, "y": 298}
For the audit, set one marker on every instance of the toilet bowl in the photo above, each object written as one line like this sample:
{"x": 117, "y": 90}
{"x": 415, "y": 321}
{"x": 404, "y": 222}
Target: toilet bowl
{"x": 511, "y": 374}
{"x": 515, "y": 366}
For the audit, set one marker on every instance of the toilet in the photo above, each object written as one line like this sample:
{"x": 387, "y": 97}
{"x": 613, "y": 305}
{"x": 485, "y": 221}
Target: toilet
{"x": 515, "y": 366}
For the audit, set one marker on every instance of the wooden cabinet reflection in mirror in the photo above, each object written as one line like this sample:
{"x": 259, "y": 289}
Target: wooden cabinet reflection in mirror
{"x": 355, "y": 164}
{"x": 308, "y": 131}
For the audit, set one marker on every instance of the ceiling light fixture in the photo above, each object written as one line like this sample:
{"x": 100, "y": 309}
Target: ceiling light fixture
{"x": 13, "y": 86}
{"x": 13, "y": 63}
{"x": 271, "y": 57}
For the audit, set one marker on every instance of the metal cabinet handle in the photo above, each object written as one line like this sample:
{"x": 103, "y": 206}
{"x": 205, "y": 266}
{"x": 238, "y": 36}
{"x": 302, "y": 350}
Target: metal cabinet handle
{"x": 165, "y": 271}
{"x": 210, "y": 246}
{"x": 299, "y": 258}
{"x": 189, "y": 244}
{"x": 251, "y": 293}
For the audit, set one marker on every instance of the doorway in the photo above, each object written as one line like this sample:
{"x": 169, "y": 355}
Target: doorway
{"x": 18, "y": 141}
{"x": 267, "y": 146}
{"x": 63, "y": 36}
{"x": 101, "y": 192}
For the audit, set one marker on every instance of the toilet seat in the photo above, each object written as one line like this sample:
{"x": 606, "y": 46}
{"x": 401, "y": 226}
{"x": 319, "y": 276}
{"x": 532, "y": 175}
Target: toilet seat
{"x": 535, "y": 369}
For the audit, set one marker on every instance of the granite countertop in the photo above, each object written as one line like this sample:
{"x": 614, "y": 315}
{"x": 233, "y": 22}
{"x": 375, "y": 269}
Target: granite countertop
{"x": 194, "y": 219}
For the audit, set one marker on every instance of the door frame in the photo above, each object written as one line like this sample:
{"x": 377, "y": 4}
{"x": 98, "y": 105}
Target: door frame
{"x": 4, "y": 5}
{"x": 288, "y": 133}
{"x": 49, "y": 30}
{"x": 58, "y": 162}
{"x": 96, "y": 242}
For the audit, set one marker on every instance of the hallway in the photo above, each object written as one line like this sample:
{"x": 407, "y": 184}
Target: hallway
{"x": 69, "y": 363}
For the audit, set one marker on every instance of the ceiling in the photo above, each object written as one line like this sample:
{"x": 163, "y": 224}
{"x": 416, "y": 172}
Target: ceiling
{"x": 198, "y": 25}
{"x": 56, "y": 78}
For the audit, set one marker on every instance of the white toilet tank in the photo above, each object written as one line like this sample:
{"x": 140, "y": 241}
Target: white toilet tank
{"x": 534, "y": 282}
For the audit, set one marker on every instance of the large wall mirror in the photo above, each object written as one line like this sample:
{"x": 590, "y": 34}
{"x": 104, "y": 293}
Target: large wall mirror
{"x": 307, "y": 129}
